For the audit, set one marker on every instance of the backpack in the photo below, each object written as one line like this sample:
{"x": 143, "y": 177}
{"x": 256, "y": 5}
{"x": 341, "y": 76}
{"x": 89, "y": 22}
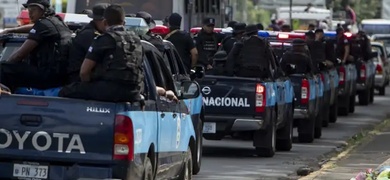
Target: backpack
{"x": 253, "y": 54}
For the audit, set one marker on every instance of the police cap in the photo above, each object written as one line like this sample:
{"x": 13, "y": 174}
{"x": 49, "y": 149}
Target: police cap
{"x": 175, "y": 20}
{"x": 298, "y": 42}
{"x": 239, "y": 28}
{"x": 232, "y": 24}
{"x": 147, "y": 17}
{"x": 208, "y": 21}
{"x": 319, "y": 31}
{"x": 310, "y": 34}
{"x": 251, "y": 28}
{"x": 98, "y": 11}
{"x": 40, "y": 3}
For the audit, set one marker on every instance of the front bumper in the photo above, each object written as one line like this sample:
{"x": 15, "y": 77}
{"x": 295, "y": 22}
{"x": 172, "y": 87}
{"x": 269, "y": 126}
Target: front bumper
{"x": 218, "y": 124}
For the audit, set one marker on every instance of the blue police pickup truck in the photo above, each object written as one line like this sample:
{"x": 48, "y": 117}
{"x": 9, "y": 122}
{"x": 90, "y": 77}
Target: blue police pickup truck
{"x": 309, "y": 102}
{"x": 250, "y": 108}
{"x": 195, "y": 105}
{"x": 58, "y": 138}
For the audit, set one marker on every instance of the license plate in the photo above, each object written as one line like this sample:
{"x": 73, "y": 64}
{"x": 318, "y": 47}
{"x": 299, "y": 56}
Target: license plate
{"x": 209, "y": 128}
{"x": 31, "y": 170}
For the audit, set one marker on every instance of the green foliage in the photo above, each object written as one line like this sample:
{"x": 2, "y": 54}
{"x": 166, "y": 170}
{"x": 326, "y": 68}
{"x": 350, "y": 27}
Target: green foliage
{"x": 249, "y": 13}
{"x": 365, "y": 9}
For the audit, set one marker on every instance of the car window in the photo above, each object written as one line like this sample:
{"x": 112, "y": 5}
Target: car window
{"x": 9, "y": 49}
{"x": 169, "y": 61}
{"x": 379, "y": 50}
{"x": 166, "y": 75}
{"x": 157, "y": 74}
{"x": 180, "y": 64}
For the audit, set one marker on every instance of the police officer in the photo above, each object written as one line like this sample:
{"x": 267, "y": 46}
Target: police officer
{"x": 298, "y": 57}
{"x": 238, "y": 33}
{"x": 207, "y": 43}
{"x": 365, "y": 45}
{"x": 329, "y": 51}
{"x": 84, "y": 39}
{"x": 47, "y": 47}
{"x": 122, "y": 80}
{"x": 182, "y": 41}
{"x": 316, "y": 50}
{"x": 342, "y": 46}
{"x": 156, "y": 40}
{"x": 251, "y": 56}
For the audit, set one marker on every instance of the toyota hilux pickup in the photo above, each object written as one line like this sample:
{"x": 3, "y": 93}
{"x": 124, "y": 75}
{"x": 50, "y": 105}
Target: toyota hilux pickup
{"x": 44, "y": 137}
{"x": 260, "y": 109}
{"x": 308, "y": 102}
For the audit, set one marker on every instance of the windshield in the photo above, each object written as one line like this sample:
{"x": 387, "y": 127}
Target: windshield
{"x": 10, "y": 48}
{"x": 376, "y": 28}
{"x": 385, "y": 41}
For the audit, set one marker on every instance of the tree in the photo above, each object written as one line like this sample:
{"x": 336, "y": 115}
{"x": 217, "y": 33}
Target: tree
{"x": 250, "y": 13}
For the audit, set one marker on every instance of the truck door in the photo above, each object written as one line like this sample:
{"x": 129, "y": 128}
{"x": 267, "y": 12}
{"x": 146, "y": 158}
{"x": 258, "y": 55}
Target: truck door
{"x": 279, "y": 81}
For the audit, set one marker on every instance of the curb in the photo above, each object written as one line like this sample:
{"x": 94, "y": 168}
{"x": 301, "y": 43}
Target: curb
{"x": 340, "y": 152}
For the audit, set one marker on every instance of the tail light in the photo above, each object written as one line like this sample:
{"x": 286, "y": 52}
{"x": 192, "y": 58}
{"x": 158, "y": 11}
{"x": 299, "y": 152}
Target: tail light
{"x": 363, "y": 72}
{"x": 260, "y": 98}
{"x": 342, "y": 75}
{"x": 379, "y": 69}
{"x": 305, "y": 90}
{"x": 322, "y": 77}
{"x": 160, "y": 30}
{"x": 123, "y": 139}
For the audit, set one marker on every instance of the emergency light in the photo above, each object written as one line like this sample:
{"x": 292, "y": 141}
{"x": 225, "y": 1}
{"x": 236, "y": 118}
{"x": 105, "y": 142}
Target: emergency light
{"x": 289, "y": 36}
{"x": 332, "y": 34}
{"x": 263, "y": 34}
{"x": 160, "y": 30}
{"x": 195, "y": 30}
{"x": 138, "y": 25}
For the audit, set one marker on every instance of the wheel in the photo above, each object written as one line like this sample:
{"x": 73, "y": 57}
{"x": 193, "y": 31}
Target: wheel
{"x": 343, "y": 111}
{"x": 197, "y": 155}
{"x": 382, "y": 91}
{"x": 148, "y": 173}
{"x": 352, "y": 103}
{"x": 326, "y": 117}
{"x": 333, "y": 111}
{"x": 186, "y": 172}
{"x": 318, "y": 124}
{"x": 265, "y": 141}
{"x": 284, "y": 135}
{"x": 372, "y": 90}
{"x": 306, "y": 130}
{"x": 364, "y": 97}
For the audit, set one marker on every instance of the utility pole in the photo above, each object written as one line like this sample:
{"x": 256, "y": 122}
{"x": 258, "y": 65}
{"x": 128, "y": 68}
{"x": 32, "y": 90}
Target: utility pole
{"x": 290, "y": 14}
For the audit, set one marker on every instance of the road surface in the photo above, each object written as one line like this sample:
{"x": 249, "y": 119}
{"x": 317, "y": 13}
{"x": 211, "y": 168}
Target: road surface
{"x": 235, "y": 159}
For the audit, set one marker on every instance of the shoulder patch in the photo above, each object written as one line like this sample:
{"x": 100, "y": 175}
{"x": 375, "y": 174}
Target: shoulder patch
{"x": 33, "y": 31}
{"x": 90, "y": 49}
{"x": 97, "y": 33}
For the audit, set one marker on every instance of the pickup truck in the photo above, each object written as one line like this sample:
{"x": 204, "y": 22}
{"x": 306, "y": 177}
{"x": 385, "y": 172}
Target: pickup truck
{"x": 382, "y": 75}
{"x": 260, "y": 109}
{"x": 309, "y": 99}
{"x": 59, "y": 138}
{"x": 195, "y": 105}
{"x": 365, "y": 73}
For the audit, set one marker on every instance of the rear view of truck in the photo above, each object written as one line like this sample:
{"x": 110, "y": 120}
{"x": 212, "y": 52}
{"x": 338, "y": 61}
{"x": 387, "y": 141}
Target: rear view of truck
{"x": 43, "y": 137}
{"x": 243, "y": 106}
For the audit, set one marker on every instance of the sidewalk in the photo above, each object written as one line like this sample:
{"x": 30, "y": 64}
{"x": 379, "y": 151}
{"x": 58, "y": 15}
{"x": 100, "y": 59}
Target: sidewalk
{"x": 373, "y": 153}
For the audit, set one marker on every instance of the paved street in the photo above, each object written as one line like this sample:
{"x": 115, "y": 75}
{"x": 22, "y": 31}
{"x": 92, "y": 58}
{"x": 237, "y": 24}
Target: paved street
{"x": 234, "y": 159}
{"x": 370, "y": 154}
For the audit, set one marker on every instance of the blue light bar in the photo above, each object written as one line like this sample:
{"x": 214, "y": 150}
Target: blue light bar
{"x": 263, "y": 34}
{"x": 330, "y": 34}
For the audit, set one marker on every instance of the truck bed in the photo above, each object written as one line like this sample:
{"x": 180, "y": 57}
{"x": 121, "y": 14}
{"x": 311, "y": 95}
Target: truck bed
{"x": 56, "y": 130}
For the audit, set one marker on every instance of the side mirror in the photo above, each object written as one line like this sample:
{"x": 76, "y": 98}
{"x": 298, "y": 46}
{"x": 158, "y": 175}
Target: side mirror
{"x": 197, "y": 72}
{"x": 290, "y": 69}
{"x": 189, "y": 90}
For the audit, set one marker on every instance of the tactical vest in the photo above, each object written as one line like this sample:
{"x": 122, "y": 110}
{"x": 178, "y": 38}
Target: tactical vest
{"x": 124, "y": 64}
{"x": 253, "y": 54}
{"x": 156, "y": 40}
{"x": 54, "y": 57}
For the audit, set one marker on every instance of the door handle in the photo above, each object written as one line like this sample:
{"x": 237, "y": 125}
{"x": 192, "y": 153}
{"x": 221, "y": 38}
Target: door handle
{"x": 162, "y": 115}
{"x": 174, "y": 115}
{"x": 31, "y": 120}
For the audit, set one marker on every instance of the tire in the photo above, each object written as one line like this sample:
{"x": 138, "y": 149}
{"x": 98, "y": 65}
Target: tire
{"x": 148, "y": 173}
{"x": 306, "y": 130}
{"x": 352, "y": 104}
{"x": 197, "y": 155}
{"x": 186, "y": 172}
{"x": 343, "y": 111}
{"x": 333, "y": 111}
{"x": 285, "y": 135}
{"x": 266, "y": 139}
{"x": 372, "y": 90}
{"x": 318, "y": 124}
{"x": 382, "y": 91}
{"x": 364, "y": 97}
{"x": 326, "y": 117}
